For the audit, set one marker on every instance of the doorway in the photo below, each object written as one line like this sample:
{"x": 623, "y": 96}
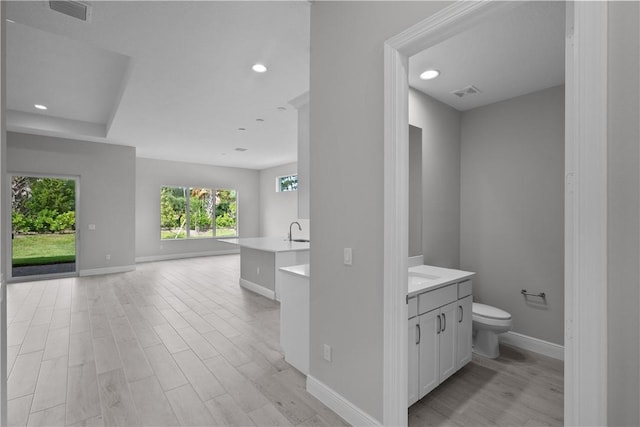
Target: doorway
{"x": 585, "y": 205}
{"x": 43, "y": 227}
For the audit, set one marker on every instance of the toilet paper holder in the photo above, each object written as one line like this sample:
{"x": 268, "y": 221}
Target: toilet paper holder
{"x": 540, "y": 294}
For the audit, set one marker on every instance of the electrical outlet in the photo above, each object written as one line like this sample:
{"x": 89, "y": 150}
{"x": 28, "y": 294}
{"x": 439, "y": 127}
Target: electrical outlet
{"x": 108, "y": 256}
{"x": 348, "y": 256}
{"x": 258, "y": 271}
{"x": 327, "y": 352}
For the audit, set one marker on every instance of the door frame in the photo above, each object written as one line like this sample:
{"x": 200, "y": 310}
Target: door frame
{"x": 585, "y": 327}
{"x": 9, "y": 243}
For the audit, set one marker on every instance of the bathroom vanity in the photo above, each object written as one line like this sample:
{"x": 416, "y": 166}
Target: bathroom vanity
{"x": 439, "y": 326}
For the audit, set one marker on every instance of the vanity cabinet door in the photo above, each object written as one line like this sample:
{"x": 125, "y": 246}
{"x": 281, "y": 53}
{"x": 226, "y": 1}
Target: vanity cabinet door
{"x": 413, "y": 337}
{"x": 447, "y": 350}
{"x": 429, "y": 351}
{"x": 464, "y": 331}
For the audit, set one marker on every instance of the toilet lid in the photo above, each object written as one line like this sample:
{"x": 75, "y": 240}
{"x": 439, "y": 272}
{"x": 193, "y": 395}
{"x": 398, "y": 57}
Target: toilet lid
{"x": 489, "y": 311}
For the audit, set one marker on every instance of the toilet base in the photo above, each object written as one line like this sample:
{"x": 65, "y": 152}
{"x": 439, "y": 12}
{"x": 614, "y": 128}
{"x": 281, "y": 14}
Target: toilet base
{"x": 485, "y": 343}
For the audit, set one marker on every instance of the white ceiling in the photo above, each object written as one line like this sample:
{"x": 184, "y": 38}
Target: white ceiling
{"x": 173, "y": 79}
{"x": 516, "y": 52}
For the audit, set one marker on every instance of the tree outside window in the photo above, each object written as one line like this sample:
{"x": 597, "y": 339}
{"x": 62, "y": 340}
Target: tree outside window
{"x": 287, "y": 183}
{"x": 194, "y": 212}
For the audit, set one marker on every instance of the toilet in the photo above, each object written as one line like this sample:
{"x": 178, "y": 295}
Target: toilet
{"x": 488, "y": 322}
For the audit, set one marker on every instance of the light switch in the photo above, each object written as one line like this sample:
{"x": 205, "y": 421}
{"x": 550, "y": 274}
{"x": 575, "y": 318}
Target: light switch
{"x": 348, "y": 256}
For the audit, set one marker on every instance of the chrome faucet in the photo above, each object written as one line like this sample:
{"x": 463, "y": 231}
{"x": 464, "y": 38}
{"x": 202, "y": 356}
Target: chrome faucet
{"x": 291, "y": 225}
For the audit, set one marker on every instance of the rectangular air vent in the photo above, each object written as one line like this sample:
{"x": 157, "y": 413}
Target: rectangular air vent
{"x": 74, "y": 9}
{"x": 468, "y": 90}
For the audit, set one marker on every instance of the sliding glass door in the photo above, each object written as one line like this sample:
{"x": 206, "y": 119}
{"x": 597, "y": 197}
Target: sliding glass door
{"x": 43, "y": 226}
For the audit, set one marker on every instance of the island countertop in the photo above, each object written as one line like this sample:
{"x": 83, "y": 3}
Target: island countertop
{"x": 269, "y": 244}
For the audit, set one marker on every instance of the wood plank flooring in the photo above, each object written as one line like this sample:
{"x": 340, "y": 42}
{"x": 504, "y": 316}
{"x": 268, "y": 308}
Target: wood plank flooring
{"x": 172, "y": 343}
{"x": 180, "y": 343}
{"x": 519, "y": 388}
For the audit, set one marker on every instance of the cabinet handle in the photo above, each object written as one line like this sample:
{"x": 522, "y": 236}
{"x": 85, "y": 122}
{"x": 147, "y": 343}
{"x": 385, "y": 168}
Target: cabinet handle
{"x": 444, "y": 320}
{"x": 461, "y": 314}
{"x": 418, "y": 339}
{"x": 439, "y": 323}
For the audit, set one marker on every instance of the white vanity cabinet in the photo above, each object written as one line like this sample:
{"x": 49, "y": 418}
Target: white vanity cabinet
{"x": 413, "y": 337}
{"x": 439, "y": 336}
{"x": 463, "y": 331}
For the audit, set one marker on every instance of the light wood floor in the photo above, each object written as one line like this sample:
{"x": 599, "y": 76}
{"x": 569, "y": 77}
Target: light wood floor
{"x": 173, "y": 343}
{"x": 519, "y": 388}
{"x": 180, "y": 343}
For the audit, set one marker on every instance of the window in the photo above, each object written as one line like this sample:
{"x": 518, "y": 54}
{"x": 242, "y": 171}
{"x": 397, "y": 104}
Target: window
{"x": 195, "y": 213}
{"x": 287, "y": 183}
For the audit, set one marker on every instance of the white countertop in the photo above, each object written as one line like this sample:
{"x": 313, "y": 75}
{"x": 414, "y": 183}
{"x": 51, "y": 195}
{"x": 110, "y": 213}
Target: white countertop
{"x": 297, "y": 270}
{"x": 268, "y": 244}
{"x": 427, "y": 277}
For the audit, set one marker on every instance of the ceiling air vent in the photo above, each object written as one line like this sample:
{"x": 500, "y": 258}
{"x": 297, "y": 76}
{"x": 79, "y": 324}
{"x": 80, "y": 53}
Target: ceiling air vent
{"x": 74, "y": 9}
{"x": 468, "y": 90}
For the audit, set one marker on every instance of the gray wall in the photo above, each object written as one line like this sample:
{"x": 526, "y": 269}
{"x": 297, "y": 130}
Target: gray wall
{"x": 440, "y": 126}
{"x": 623, "y": 213}
{"x": 512, "y": 208}
{"x": 151, "y": 175}
{"x": 347, "y": 158}
{"x": 106, "y": 197}
{"x": 415, "y": 191}
{"x": 279, "y": 209}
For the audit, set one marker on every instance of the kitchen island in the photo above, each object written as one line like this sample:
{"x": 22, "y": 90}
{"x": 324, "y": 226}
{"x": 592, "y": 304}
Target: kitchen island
{"x": 261, "y": 259}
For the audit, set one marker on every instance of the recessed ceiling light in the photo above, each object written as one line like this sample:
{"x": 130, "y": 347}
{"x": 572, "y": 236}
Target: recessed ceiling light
{"x": 282, "y": 108}
{"x": 242, "y": 128}
{"x": 240, "y": 149}
{"x": 10, "y": 21}
{"x": 40, "y": 106}
{"x": 429, "y": 74}
{"x": 259, "y": 120}
{"x": 259, "y": 68}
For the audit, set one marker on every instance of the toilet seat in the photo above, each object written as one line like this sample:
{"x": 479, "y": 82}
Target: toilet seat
{"x": 489, "y": 312}
{"x": 490, "y": 316}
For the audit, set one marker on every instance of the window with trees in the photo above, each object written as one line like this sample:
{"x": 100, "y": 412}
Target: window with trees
{"x": 287, "y": 183}
{"x": 194, "y": 213}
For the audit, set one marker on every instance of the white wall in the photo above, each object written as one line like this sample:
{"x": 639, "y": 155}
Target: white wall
{"x": 347, "y": 152}
{"x": 106, "y": 196}
{"x": 3, "y": 215}
{"x": 623, "y": 213}
{"x": 512, "y": 208}
{"x": 279, "y": 208}
{"x": 440, "y": 126}
{"x": 151, "y": 175}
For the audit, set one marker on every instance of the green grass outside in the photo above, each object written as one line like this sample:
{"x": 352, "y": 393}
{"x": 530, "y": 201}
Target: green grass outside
{"x": 43, "y": 249}
{"x": 220, "y": 232}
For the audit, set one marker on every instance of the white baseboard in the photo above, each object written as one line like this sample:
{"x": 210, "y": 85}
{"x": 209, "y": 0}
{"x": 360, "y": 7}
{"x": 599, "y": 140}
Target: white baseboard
{"x": 415, "y": 261}
{"x": 260, "y": 290}
{"x": 338, "y": 404}
{"x": 536, "y": 345}
{"x": 166, "y": 257}
{"x": 106, "y": 270}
